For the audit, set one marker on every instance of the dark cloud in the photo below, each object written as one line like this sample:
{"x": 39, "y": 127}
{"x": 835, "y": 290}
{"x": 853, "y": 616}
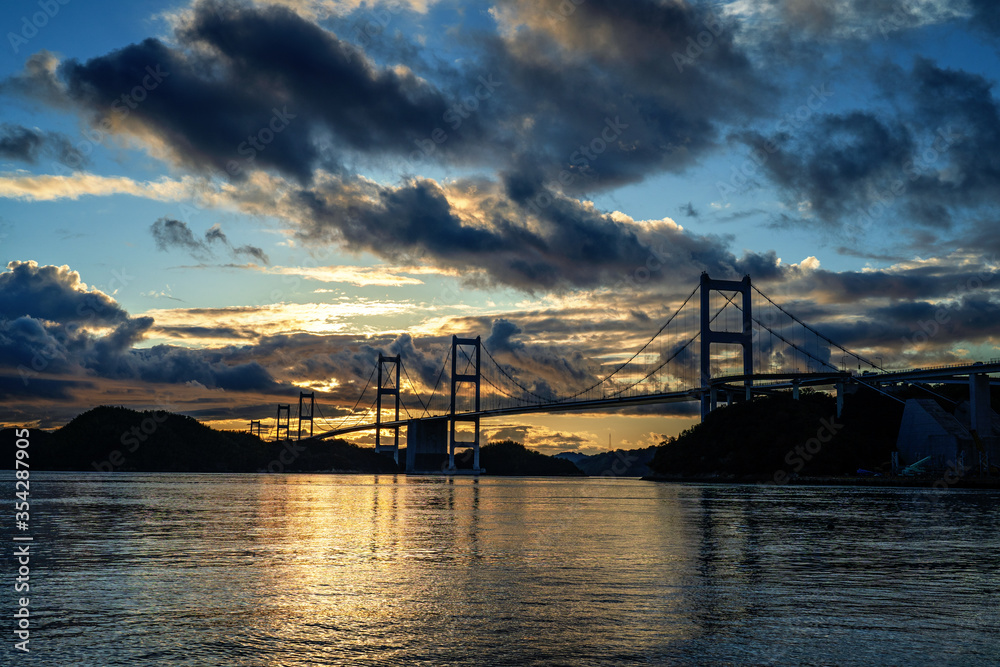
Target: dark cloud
{"x": 169, "y": 233}
{"x": 625, "y": 93}
{"x": 47, "y": 322}
{"x": 199, "y": 331}
{"x": 56, "y": 294}
{"x": 250, "y": 87}
{"x": 38, "y": 80}
{"x": 421, "y": 365}
{"x": 561, "y": 245}
{"x": 173, "y": 233}
{"x": 29, "y": 145}
{"x": 500, "y": 336}
{"x": 838, "y": 164}
{"x": 985, "y": 16}
{"x": 14, "y": 388}
{"x": 930, "y": 161}
{"x": 689, "y": 210}
{"x": 959, "y": 108}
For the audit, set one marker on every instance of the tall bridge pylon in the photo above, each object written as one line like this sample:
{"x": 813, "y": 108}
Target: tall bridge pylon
{"x": 306, "y": 413}
{"x": 710, "y": 336}
{"x": 283, "y": 426}
{"x": 388, "y": 385}
{"x": 459, "y": 345}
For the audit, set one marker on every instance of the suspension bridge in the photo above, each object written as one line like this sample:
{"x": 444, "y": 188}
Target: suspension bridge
{"x": 727, "y": 341}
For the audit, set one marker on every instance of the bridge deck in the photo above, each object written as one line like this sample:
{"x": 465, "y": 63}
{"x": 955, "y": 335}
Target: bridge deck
{"x": 761, "y": 380}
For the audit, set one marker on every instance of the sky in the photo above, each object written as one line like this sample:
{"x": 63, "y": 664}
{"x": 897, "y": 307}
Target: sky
{"x": 210, "y": 206}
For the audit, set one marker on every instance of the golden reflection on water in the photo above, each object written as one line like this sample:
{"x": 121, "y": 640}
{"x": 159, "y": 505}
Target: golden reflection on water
{"x": 360, "y": 566}
{"x": 355, "y": 569}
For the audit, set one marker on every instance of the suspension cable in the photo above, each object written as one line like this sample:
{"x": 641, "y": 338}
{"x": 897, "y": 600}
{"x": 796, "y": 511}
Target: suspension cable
{"x": 509, "y": 377}
{"x": 436, "y": 383}
{"x": 828, "y": 340}
{"x": 356, "y": 403}
{"x": 413, "y": 387}
{"x": 679, "y": 350}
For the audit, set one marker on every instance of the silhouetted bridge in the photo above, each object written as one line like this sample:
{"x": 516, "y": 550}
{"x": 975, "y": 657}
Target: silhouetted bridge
{"x": 765, "y": 349}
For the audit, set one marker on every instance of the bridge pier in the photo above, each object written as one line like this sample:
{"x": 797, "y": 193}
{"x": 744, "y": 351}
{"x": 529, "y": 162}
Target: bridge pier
{"x": 979, "y": 402}
{"x": 427, "y": 445}
{"x": 981, "y": 418}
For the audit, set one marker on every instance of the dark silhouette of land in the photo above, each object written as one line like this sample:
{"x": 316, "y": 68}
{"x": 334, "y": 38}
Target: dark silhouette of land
{"x": 116, "y": 438}
{"x": 778, "y": 439}
{"x": 617, "y": 463}
{"x": 509, "y": 458}
{"x": 119, "y": 439}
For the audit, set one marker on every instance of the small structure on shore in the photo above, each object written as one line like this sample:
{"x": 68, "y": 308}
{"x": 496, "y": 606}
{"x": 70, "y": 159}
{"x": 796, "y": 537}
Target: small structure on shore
{"x": 927, "y": 430}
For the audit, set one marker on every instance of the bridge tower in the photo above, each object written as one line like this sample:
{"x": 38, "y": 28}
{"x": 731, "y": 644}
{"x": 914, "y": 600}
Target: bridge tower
{"x": 255, "y": 427}
{"x": 388, "y": 385}
{"x": 306, "y": 415}
{"x": 709, "y": 336}
{"x": 456, "y": 379}
{"x": 287, "y": 409}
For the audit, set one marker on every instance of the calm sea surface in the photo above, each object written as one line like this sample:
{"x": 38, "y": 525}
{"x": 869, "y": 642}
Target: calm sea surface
{"x": 180, "y": 569}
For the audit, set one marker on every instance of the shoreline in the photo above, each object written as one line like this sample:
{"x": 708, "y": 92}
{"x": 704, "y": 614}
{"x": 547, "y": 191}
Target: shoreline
{"x": 938, "y": 483}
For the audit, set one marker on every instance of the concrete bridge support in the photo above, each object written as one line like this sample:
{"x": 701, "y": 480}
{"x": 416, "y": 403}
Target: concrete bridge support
{"x": 427, "y": 445}
{"x": 979, "y": 402}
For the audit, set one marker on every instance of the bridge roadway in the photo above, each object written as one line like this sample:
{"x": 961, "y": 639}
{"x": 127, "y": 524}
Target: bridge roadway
{"x": 569, "y": 406}
{"x": 770, "y": 381}
{"x": 787, "y": 380}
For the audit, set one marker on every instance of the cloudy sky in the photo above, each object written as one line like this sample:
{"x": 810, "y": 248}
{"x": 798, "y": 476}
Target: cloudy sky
{"x": 208, "y": 206}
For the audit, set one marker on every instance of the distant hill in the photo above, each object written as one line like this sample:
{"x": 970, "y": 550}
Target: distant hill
{"x": 619, "y": 463}
{"x": 511, "y": 458}
{"x": 116, "y": 438}
{"x": 573, "y": 457}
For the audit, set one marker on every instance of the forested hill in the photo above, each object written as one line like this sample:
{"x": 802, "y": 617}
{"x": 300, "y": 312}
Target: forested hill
{"x": 116, "y": 438}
